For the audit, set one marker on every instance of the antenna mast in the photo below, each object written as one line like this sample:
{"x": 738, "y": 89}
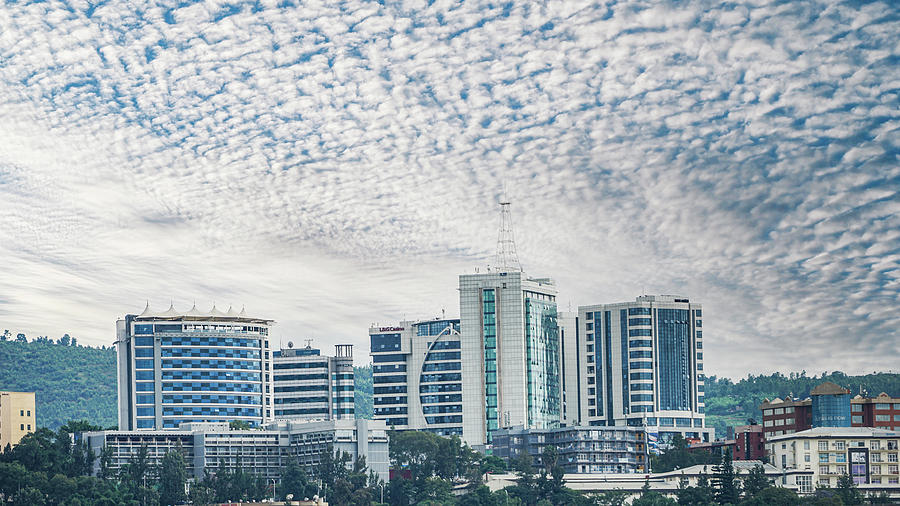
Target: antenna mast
{"x": 507, "y": 258}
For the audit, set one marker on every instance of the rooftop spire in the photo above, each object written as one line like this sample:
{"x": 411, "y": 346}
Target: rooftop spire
{"x": 507, "y": 258}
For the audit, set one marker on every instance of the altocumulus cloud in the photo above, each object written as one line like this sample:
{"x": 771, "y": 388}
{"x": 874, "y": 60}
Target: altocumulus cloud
{"x": 334, "y": 164}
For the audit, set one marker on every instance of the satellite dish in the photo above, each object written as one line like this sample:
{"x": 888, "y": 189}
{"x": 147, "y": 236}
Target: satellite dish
{"x": 290, "y": 344}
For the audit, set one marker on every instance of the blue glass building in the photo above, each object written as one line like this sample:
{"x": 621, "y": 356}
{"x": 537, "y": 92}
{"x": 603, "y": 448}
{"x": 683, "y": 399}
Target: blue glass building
{"x": 830, "y": 406}
{"x": 178, "y": 367}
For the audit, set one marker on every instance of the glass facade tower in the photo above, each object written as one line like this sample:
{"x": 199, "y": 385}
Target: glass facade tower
{"x": 192, "y": 367}
{"x": 510, "y": 344}
{"x": 311, "y": 386}
{"x": 644, "y": 365}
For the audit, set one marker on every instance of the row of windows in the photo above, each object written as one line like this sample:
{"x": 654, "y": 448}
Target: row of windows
{"x": 640, "y": 343}
{"x": 303, "y": 388}
{"x": 638, "y": 311}
{"x": 639, "y": 321}
{"x": 397, "y": 378}
{"x": 639, "y": 333}
{"x": 442, "y": 366}
{"x": 640, "y": 365}
{"x": 294, "y": 400}
{"x": 207, "y": 352}
{"x": 445, "y": 345}
{"x": 210, "y": 364}
{"x": 449, "y": 387}
{"x": 390, "y": 400}
{"x": 435, "y": 328}
{"x": 143, "y": 352}
{"x": 210, "y": 341}
{"x": 641, "y": 397}
{"x": 211, "y": 387}
{"x": 394, "y": 410}
{"x": 211, "y": 398}
{"x": 641, "y": 376}
{"x": 394, "y": 357}
{"x": 393, "y": 389}
{"x": 209, "y": 411}
{"x": 640, "y": 354}
{"x": 300, "y": 377}
{"x": 449, "y": 376}
{"x": 378, "y": 369}
{"x": 143, "y": 364}
{"x": 300, "y": 365}
{"x": 385, "y": 342}
{"x": 435, "y": 409}
{"x": 442, "y": 355}
{"x": 391, "y": 422}
{"x": 444, "y": 419}
{"x": 209, "y": 375}
{"x": 301, "y": 411}
{"x": 433, "y": 399}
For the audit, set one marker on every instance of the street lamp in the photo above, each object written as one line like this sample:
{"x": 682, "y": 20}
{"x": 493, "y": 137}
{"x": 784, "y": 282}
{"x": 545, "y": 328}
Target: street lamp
{"x": 273, "y": 488}
{"x": 381, "y": 485}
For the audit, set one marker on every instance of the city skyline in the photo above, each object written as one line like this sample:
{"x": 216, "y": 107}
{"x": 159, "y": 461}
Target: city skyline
{"x": 331, "y": 169}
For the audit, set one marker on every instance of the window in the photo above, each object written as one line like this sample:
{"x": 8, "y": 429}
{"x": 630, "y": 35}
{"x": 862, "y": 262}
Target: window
{"x": 823, "y": 457}
{"x": 892, "y": 469}
{"x": 806, "y": 445}
{"x": 28, "y": 413}
{"x": 875, "y": 445}
{"x": 892, "y": 457}
{"x": 838, "y": 445}
{"x": 857, "y": 419}
{"x": 779, "y": 411}
{"x": 856, "y": 408}
{"x": 882, "y": 418}
{"x": 21, "y": 412}
{"x": 805, "y": 483}
{"x": 29, "y": 426}
{"x": 823, "y": 469}
{"x": 21, "y": 426}
{"x": 823, "y": 446}
{"x": 882, "y": 406}
{"x": 806, "y": 457}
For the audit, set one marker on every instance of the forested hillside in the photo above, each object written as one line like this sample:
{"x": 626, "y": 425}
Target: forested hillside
{"x": 74, "y": 382}
{"x": 733, "y": 403}
{"x": 70, "y": 382}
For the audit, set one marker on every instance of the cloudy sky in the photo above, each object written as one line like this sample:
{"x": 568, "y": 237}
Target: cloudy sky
{"x": 334, "y": 164}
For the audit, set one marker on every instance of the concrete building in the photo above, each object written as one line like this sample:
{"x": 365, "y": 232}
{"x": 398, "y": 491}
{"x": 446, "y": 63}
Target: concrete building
{"x": 570, "y": 363}
{"x": 643, "y": 366}
{"x": 176, "y": 367}
{"x": 17, "y": 417}
{"x": 510, "y": 353}
{"x": 829, "y": 405}
{"x": 311, "y": 386}
{"x": 664, "y": 483}
{"x": 417, "y": 376}
{"x": 868, "y": 455}
{"x": 617, "y": 450}
{"x": 882, "y": 412}
{"x": 749, "y": 443}
{"x": 265, "y": 452}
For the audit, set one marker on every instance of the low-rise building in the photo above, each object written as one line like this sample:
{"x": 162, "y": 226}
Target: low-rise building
{"x": 882, "y": 412}
{"x": 749, "y": 443}
{"x": 868, "y": 455}
{"x": 17, "y": 417}
{"x": 265, "y": 452}
{"x": 580, "y": 449}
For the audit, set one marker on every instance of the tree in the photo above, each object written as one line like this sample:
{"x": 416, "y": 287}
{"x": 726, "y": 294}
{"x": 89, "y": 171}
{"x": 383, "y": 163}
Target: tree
{"x": 239, "y": 425}
{"x": 847, "y": 491}
{"x": 295, "y": 482}
{"x": 20, "y": 338}
{"x": 773, "y": 496}
{"x": 172, "y": 477}
{"x": 756, "y": 481}
{"x": 64, "y": 340}
{"x": 726, "y": 484}
{"x": 650, "y": 498}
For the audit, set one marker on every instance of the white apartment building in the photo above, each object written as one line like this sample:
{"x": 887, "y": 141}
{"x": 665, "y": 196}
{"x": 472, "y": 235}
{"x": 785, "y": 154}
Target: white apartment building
{"x": 868, "y": 455}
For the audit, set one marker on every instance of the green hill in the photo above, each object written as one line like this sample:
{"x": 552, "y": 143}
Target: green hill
{"x": 79, "y": 383}
{"x": 70, "y": 382}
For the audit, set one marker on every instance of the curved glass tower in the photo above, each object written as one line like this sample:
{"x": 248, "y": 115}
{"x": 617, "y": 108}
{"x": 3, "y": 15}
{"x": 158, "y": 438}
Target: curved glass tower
{"x": 192, "y": 367}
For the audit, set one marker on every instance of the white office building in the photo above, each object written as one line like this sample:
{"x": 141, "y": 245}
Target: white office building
{"x": 312, "y": 386}
{"x": 643, "y": 366}
{"x": 416, "y": 375}
{"x": 510, "y": 353}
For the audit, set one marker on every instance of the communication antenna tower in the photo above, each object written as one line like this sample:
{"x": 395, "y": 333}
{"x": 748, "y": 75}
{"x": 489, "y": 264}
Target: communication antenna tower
{"x": 507, "y": 258}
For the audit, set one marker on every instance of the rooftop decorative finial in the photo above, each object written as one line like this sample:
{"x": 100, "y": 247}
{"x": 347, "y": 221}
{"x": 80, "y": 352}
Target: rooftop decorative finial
{"x": 507, "y": 258}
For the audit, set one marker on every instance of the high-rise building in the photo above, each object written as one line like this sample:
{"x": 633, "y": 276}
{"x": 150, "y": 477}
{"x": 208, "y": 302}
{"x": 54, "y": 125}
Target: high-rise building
{"x": 416, "y": 375}
{"x": 569, "y": 360}
{"x": 193, "y": 366}
{"x": 311, "y": 386}
{"x": 644, "y": 366}
{"x": 17, "y": 417}
{"x": 510, "y": 353}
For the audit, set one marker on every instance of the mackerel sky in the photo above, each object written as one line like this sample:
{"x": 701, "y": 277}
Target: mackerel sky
{"x": 334, "y": 164}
